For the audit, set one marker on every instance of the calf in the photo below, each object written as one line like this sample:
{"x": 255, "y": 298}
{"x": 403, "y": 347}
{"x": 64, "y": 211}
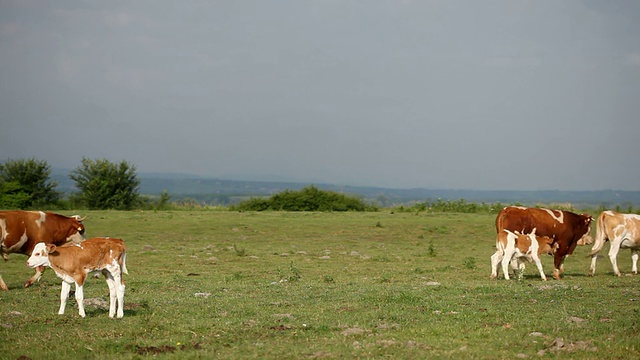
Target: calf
{"x": 73, "y": 262}
{"x": 515, "y": 248}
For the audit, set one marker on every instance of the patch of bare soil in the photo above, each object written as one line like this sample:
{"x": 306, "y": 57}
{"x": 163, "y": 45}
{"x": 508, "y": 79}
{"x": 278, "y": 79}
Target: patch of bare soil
{"x": 560, "y": 345}
{"x": 354, "y": 331}
{"x": 163, "y": 349}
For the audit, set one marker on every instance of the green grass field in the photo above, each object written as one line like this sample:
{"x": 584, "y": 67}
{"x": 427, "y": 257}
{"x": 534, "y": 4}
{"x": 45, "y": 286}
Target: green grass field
{"x": 217, "y": 284}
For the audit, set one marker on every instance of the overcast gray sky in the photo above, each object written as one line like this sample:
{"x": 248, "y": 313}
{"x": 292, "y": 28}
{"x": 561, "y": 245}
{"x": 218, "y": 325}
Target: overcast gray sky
{"x": 498, "y": 95}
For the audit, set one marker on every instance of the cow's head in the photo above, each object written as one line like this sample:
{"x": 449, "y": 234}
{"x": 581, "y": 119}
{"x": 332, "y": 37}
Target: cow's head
{"x": 40, "y": 255}
{"x": 586, "y": 239}
{"x": 76, "y": 230}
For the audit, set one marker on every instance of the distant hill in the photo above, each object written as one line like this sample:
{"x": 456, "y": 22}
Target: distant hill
{"x": 222, "y": 192}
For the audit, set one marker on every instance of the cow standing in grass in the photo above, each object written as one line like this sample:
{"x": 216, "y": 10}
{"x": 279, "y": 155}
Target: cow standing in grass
{"x": 623, "y": 231}
{"x": 73, "y": 263}
{"x": 21, "y": 230}
{"x": 567, "y": 229}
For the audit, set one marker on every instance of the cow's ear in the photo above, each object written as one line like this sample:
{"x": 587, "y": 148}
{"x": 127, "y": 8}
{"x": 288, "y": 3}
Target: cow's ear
{"x": 50, "y": 248}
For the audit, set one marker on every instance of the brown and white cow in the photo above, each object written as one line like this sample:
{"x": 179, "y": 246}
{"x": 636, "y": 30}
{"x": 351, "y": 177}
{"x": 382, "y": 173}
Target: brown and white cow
{"x": 623, "y": 231}
{"x": 73, "y": 263}
{"x": 21, "y": 230}
{"x": 567, "y": 229}
{"x": 515, "y": 248}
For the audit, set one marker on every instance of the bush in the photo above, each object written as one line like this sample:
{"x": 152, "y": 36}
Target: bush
{"x": 460, "y": 206}
{"x": 308, "y": 199}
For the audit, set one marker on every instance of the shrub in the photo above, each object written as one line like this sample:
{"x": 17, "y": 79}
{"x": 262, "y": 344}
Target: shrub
{"x": 308, "y": 199}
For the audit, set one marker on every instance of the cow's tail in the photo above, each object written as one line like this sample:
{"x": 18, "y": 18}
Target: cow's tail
{"x": 124, "y": 264}
{"x": 499, "y": 221}
{"x": 601, "y": 235}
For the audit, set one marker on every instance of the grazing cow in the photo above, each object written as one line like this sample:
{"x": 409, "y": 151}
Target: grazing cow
{"x": 21, "y": 230}
{"x": 567, "y": 229}
{"x": 73, "y": 262}
{"x": 519, "y": 247}
{"x": 623, "y": 230}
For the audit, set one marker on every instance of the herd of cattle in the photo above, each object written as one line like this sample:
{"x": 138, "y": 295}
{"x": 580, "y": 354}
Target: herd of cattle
{"x": 523, "y": 234}
{"x": 527, "y": 233}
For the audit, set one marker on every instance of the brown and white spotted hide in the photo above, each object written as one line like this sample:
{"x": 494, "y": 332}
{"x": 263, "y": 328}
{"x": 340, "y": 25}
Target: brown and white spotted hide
{"x": 566, "y": 229}
{"x": 515, "y": 248}
{"x": 623, "y": 232}
{"x": 21, "y": 230}
{"x": 73, "y": 262}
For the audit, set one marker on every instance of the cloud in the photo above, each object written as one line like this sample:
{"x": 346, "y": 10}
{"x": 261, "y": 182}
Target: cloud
{"x": 633, "y": 59}
{"x": 509, "y": 61}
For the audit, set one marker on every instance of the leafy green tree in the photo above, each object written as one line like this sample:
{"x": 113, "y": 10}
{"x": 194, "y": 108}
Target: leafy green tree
{"x": 106, "y": 185}
{"x": 26, "y": 183}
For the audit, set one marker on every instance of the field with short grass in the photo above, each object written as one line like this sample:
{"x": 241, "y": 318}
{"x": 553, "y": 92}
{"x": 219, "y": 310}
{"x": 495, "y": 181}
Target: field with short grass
{"x": 217, "y": 284}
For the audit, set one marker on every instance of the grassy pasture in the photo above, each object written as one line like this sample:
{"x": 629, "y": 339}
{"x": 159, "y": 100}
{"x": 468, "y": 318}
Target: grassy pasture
{"x": 205, "y": 284}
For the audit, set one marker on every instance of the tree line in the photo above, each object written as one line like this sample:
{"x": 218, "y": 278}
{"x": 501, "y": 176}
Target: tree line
{"x": 101, "y": 184}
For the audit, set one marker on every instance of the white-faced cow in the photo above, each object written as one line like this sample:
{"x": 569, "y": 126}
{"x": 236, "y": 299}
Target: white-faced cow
{"x": 567, "y": 229}
{"x": 21, "y": 230}
{"x": 515, "y": 248}
{"x": 73, "y": 263}
{"x": 623, "y": 231}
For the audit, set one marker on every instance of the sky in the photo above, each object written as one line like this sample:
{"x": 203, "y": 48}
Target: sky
{"x": 461, "y": 94}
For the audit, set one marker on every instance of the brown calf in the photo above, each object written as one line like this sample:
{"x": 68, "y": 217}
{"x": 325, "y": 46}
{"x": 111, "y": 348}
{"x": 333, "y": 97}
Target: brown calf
{"x": 73, "y": 262}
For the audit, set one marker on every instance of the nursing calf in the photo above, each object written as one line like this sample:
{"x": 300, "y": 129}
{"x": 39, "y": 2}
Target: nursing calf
{"x": 567, "y": 229}
{"x": 516, "y": 248}
{"x": 73, "y": 262}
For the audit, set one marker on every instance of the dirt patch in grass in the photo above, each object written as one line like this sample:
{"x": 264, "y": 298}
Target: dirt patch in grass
{"x": 163, "y": 349}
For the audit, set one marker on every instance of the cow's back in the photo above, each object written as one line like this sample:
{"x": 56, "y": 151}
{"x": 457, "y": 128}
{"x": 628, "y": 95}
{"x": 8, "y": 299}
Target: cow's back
{"x": 15, "y": 231}
{"x": 559, "y": 225}
{"x": 21, "y": 230}
{"x": 515, "y": 218}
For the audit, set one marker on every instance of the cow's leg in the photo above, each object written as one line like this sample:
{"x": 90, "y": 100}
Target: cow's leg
{"x": 634, "y": 261}
{"x": 80, "y": 299}
{"x": 495, "y": 260}
{"x": 3, "y": 286}
{"x": 112, "y": 292}
{"x": 120, "y": 294}
{"x": 613, "y": 255}
{"x": 536, "y": 259}
{"x": 592, "y": 268}
{"x": 64, "y": 295}
{"x": 506, "y": 260}
{"x": 517, "y": 266}
{"x": 35, "y": 277}
{"x": 558, "y": 262}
